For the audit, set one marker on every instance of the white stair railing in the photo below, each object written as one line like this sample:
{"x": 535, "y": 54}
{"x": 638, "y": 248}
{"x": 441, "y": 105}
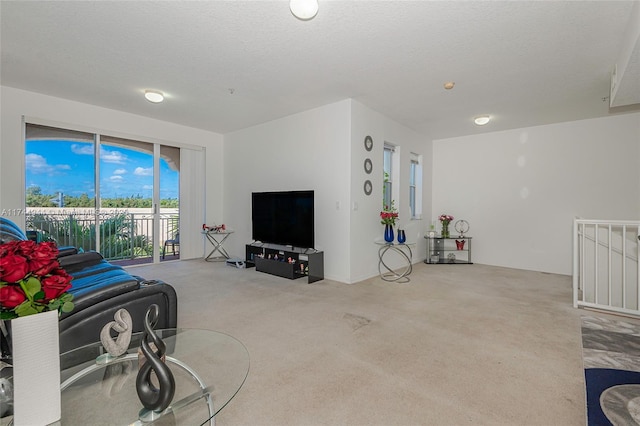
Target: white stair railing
{"x": 606, "y": 271}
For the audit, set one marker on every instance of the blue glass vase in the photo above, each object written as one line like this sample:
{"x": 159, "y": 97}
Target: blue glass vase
{"x": 402, "y": 236}
{"x": 388, "y": 233}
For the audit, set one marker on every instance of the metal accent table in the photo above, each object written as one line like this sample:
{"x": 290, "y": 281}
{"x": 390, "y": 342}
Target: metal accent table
{"x": 405, "y": 253}
{"x": 442, "y": 250}
{"x": 209, "y": 369}
{"x": 217, "y": 239}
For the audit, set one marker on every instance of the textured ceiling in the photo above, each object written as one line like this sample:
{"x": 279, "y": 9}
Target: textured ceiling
{"x": 227, "y": 65}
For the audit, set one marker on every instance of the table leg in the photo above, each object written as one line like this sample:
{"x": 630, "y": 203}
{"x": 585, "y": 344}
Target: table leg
{"x": 390, "y": 275}
{"x": 217, "y": 247}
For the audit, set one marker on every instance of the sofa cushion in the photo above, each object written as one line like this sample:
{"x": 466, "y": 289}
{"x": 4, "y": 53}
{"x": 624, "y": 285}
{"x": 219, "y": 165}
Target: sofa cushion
{"x": 9, "y": 231}
{"x": 92, "y": 295}
{"x": 79, "y": 261}
{"x": 98, "y": 276}
{"x": 95, "y": 279}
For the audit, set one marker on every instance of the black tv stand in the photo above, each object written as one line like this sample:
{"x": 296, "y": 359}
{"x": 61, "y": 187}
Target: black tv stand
{"x": 286, "y": 261}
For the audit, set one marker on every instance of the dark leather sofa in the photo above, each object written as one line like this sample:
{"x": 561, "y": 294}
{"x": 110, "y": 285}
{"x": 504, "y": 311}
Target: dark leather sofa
{"x": 100, "y": 289}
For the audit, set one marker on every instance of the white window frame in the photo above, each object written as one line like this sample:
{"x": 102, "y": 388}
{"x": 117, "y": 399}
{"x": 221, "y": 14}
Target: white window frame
{"x": 191, "y": 183}
{"x": 388, "y": 174}
{"x": 415, "y": 186}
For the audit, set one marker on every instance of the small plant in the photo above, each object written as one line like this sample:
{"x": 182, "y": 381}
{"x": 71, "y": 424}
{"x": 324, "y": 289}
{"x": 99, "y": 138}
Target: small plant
{"x": 445, "y": 219}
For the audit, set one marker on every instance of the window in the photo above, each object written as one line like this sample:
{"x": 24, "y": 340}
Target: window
{"x": 415, "y": 186}
{"x": 387, "y": 184}
{"x": 99, "y": 192}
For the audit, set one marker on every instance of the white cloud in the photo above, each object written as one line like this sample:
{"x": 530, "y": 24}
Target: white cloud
{"x": 38, "y": 164}
{"x": 116, "y": 178}
{"x": 141, "y": 171}
{"x": 119, "y": 172}
{"x": 112, "y": 156}
{"x": 147, "y": 186}
{"x": 83, "y": 149}
{"x": 105, "y": 155}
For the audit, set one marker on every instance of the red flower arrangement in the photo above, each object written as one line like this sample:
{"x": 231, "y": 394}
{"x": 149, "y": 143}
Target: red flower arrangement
{"x": 388, "y": 215}
{"x": 31, "y": 280}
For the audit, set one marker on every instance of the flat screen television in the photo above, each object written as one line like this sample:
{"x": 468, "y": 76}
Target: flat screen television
{"x": 283, "y": 217}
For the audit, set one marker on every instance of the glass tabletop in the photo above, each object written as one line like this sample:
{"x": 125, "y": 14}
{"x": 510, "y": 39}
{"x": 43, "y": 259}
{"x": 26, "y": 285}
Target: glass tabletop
{"x": 209, "y": 369}
{"x": 213, "y": 232}
{"x": 393, "y": 243}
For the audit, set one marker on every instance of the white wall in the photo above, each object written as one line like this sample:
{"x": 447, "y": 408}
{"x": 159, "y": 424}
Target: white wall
{"x": 323, "y": 149}
{"x": 365, "y": 219}
{"x": 520, "y": 189}
{"x": 14, "y": 104}
{"x": 305, "y": 151}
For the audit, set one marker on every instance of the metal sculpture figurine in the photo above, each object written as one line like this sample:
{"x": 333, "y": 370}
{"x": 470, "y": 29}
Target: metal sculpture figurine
{"x": 123, "y": 326}
{"x": 154, "y": 398}
{"x": 462, "y": 226}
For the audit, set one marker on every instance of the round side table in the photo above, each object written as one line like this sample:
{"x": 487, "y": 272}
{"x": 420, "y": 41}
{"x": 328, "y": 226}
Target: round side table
{"x": 404, "y": 251}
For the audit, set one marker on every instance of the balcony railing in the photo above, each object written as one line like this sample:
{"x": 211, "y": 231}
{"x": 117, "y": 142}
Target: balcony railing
{"x": 606, "y": 272}
{"x": 117, "y": 234}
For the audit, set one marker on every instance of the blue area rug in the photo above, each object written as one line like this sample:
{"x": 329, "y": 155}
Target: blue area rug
{"x": 611, "y": 352}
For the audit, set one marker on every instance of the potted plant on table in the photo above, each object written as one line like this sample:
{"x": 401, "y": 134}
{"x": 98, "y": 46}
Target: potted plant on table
{"x": 445, "y": 219}
{"x": 388, "y": 217}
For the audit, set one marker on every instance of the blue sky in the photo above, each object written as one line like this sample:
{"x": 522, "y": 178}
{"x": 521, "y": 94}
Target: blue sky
{"x": 68, "y": 167}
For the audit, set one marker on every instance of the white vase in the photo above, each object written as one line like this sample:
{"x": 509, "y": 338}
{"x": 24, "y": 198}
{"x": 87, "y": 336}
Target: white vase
{"x": 36, "y": 369}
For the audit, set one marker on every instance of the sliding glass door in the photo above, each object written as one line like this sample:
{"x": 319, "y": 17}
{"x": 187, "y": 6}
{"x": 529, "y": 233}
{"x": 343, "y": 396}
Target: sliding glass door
{"x": 98, "y": 192}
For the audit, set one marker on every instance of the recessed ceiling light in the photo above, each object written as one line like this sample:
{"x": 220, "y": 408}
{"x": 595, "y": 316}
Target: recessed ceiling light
{"x": 482, "y": 120}
{"x": 449, "y": 85}
{"x": 304, "y": 9}
{"x": 153, "y": 96}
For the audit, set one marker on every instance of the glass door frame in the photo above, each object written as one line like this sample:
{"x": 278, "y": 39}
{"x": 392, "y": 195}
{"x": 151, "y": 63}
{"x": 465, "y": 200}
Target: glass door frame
{"x": 100, "y": 140}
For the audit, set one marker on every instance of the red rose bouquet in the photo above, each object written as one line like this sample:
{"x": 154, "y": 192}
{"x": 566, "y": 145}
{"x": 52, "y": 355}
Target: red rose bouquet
{"x": 31, "y": 280}
{"x": 389, "y": 215}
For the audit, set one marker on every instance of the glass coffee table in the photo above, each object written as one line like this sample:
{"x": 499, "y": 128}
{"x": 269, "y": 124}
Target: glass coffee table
{"x": 209, "y": 369}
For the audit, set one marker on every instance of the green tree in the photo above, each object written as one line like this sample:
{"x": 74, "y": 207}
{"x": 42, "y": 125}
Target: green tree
{"x": 117, "y": 236}
{"x": 35, "y": 198}
{"x": 81, "y": 201}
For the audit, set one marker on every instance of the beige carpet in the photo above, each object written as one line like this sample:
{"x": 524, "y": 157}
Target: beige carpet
{"x": 458, "y": 345}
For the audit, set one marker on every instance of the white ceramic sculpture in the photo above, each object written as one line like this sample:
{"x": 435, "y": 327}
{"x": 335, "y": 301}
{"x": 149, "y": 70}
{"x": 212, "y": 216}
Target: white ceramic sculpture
{"x": 123, "y": 325}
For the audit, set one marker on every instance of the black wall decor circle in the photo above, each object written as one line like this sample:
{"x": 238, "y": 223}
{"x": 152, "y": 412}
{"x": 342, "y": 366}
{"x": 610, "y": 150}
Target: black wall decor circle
{"x": 368, "y": 143}
{"x": 368, "y": 187}
{"x": 368, "y": 166}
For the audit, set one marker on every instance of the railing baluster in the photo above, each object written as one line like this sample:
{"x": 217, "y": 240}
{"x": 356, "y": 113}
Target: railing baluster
{"x": 576, "y": 262}
{"x": 132, "y": 235}
{"x": 624, "y": 266}
{"x": 609, "y": 294}
{"x": 595, "y": 263}
{"x": 638, "y": 268}
{"x": 108, "y": 237}
{"x": 582, "y": 274}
